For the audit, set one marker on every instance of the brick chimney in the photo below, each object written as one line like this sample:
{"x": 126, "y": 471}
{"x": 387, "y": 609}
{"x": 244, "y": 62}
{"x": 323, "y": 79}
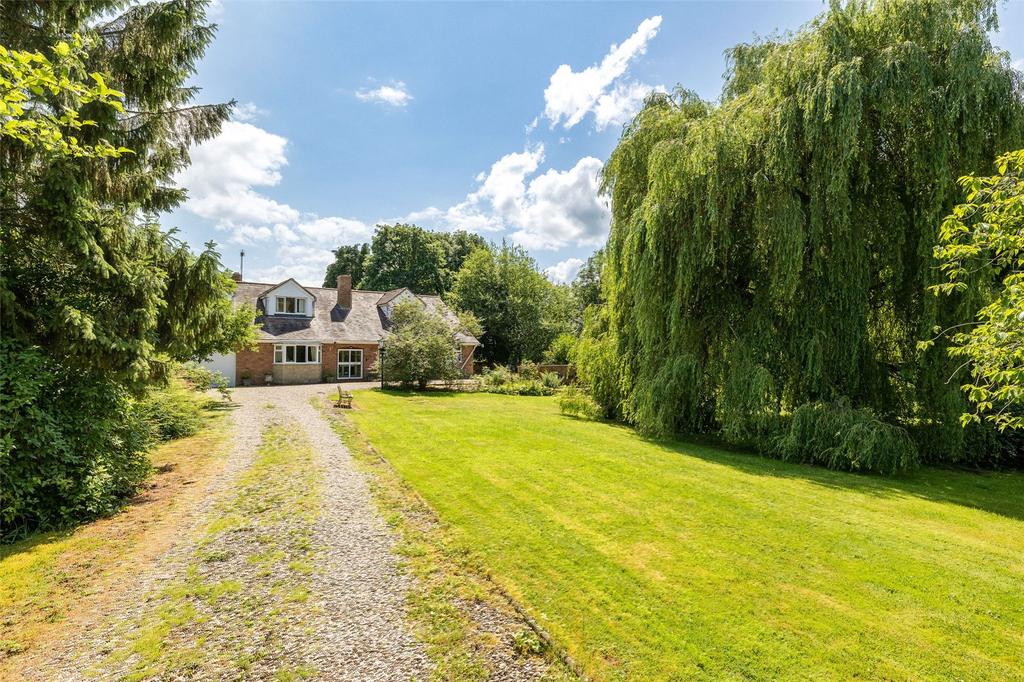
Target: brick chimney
{"x": 237, "y": 276}
{"x": 345, "y": 291}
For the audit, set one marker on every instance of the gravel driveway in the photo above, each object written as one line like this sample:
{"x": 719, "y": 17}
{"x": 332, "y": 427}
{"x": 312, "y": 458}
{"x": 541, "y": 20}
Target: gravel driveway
{"x": 361, "y": 630}
{"x": 352, "y": 626}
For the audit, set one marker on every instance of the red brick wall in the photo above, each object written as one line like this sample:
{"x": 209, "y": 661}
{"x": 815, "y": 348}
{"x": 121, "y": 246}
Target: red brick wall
{"x": 257, "y": 363}
{"x": 329, "y": 357}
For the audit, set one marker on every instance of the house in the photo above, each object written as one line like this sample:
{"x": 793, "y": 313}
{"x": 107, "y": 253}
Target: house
{"x": 311, "y": 334}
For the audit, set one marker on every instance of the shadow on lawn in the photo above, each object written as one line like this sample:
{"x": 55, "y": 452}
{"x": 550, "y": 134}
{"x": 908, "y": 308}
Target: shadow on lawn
{"x": 997, "y": 492}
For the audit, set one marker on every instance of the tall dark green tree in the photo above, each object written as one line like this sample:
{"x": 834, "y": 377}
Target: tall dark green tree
{"x": 348, "y": 260}
{"x": 95, "y": 298}
{"x": 520, "y": 309}
{"x": 587, "y": 285}
{"x": 409, "y": 256}
{"x": 773, "y": 251}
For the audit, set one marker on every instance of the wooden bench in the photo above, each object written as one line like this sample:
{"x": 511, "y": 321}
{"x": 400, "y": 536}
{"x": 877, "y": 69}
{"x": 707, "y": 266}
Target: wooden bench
{"x": 344, "y": 399}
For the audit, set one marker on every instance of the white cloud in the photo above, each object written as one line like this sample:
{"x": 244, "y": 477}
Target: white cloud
{"x": 306, "y": 264}
{"x": 565, "y": 271}
{"x": 332, "y": 230}
{"x": 571, "y": 95}
{"x": 224, "y": 172}
{"x": 223, "y": 182}
{"x": 248, "y": 111}
{"x": 395, "y": 94}
{"x": 1018, "y": 64}
{"x": 546, "y": 211}
{"x": 564, "y": 207}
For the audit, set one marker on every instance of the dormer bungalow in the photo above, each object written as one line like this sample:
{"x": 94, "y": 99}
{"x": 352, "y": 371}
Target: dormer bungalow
{"x": 312, "y": 334}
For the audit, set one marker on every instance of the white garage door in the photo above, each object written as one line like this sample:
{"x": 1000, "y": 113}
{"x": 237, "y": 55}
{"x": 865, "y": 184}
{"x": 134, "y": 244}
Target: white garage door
{"x": 222, "y": 364}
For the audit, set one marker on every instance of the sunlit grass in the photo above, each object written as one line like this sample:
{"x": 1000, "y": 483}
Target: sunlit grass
{"x": 674, "y": 560}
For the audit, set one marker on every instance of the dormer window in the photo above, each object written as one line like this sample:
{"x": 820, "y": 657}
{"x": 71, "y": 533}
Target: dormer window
{"x": 289, "y": 305}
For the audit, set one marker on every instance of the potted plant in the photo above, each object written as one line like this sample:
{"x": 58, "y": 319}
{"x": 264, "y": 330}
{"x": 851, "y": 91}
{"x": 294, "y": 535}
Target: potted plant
{"x": 268, "y": 378}
{"x": 246, "y": 377}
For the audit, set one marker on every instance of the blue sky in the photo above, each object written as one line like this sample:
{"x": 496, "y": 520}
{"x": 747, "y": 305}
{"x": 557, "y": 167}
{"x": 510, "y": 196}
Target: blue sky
{"x": 494, "y": 117}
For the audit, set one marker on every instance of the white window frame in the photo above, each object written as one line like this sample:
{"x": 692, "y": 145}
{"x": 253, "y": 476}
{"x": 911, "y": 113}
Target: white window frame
{"x": 351, "y": 363}
{"x": 282, "y": 351}
{"x": 298, "y": 305}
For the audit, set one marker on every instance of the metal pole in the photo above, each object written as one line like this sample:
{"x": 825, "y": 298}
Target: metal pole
{"x": 380, "y": 361}
{"x": 241, "y": 265}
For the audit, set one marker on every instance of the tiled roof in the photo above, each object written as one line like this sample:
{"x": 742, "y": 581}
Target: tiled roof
{"x": 364, "y": 322}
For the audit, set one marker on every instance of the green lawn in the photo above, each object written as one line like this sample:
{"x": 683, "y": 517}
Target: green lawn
{"x": 669, "y": 560}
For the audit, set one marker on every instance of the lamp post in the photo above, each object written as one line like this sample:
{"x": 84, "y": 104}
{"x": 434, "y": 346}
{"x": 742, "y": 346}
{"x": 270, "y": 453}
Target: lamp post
{"x": 380, "y": 361}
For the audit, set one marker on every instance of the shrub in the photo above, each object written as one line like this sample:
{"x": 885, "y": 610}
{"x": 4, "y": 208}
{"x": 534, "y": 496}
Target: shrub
{"x": 527, "y": 643}
{"x": 841, "y": 437}
{"x": 171, "y": 411}
{"x": 502, "y": 380}
{"x": 72, "y": 445}
{"x": 420, "y": 349}
{"x": 551, "y": 379}
{"x": 519, "y": 387}
{"x": 561, "y": 349}
{"x": 529, "y": 370}
{"x": 499, "y": 375}
{"x": 576, "y": 402}
{"x": 202, "y": 379}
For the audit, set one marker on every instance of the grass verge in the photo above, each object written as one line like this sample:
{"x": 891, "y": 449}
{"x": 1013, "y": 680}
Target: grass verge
{"x": 664, "y": 560}
{"x": 49, "y": 579}
{"x": 448, "y": 579}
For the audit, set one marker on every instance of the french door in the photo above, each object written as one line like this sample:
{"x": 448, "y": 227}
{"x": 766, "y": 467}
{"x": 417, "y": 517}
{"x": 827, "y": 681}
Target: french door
{"x": 350, "y": 363}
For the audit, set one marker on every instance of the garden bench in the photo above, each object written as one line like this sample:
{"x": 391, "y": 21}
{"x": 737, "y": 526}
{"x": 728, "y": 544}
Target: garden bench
{"x": 344, "y": 399}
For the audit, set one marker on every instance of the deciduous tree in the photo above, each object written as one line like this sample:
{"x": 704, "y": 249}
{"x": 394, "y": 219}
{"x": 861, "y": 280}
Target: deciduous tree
{"x": 348, "y": 260}
{"x": 982, "y": 247}
{"x": 774, "y": 250}
{"x": 409, "y": 256}
{"x": 521, "y": 311}
{"x": 420, "y": 348}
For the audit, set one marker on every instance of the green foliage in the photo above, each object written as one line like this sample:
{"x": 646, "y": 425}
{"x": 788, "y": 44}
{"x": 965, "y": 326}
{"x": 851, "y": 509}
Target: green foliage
{"x": 28, "y": 117}
{"x": 847, "y": 439}
{"x": 420, "y": 348}
{"x": 597, "y": 363}
{"x": 69, "y": 450}
{"x": 551, "y": 379}
{"x": 201, "y": 379}
{"x": 560, "y": 351}
{"x": 982, "y": 247}
{"x": 576, "y": 402}
{"x": 520, "y": 309}
{"x": 499, "y": 375}
{"x": 527, "y": 643}
{"x": 500, "y": 379}
{"x": 774, "y": 250}
{"x": 348, "y": 260}
{"x": 408, "y": 256}
{"x": 529, "y": 370}
{"x": 587, "y": 285}
{"x": 172, "y": 411}
{"x": 97, "y": 302}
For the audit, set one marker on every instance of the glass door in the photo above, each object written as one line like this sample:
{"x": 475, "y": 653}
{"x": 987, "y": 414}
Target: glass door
{"x": 350, "y": 363}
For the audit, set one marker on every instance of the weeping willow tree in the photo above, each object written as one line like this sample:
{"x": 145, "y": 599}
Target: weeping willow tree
{"x": 770, "y": 254}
